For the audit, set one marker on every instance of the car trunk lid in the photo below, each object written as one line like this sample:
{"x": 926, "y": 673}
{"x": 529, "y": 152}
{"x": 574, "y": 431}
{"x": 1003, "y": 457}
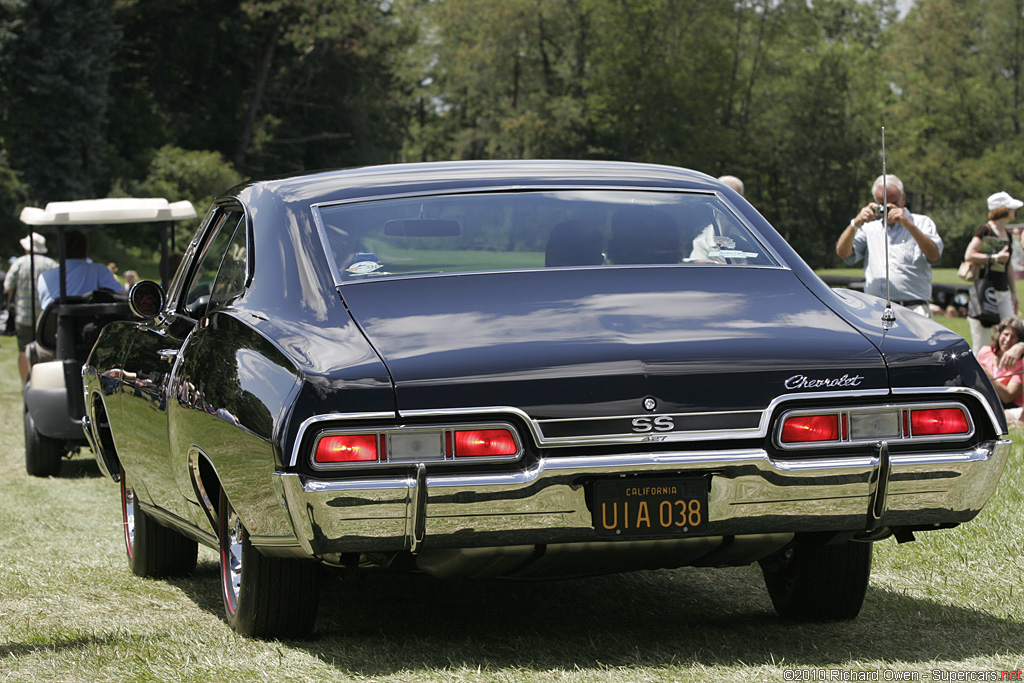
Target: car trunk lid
{"x": 598, "y": 343}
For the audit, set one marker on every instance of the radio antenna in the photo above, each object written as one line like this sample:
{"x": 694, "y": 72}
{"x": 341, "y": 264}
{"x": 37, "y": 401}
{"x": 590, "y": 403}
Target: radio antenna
{"x": 888, "y": 316}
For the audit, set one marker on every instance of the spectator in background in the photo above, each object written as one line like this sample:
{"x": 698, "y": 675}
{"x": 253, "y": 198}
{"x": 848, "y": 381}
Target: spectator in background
{"x": 914, "y": 245}
{"x": 113, "y": 269}
{"x": 130, "y": 278}
{"x": 18, "y": 285}
{"x": 83, "y": 276}
{"x": 733, "y": 182}
{"x": 991, "y": 249}
{"x": 1007, "y": 382}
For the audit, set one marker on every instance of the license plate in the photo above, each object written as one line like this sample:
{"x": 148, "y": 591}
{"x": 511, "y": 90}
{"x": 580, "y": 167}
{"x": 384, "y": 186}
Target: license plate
{"x": 637, "y": 508}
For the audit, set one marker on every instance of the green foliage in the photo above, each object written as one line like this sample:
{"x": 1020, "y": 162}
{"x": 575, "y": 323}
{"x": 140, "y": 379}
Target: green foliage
{"x": 13, "y": 195}
{"x": 774, "y": 92}
{"x": 178, "y": 174}
{"x": 55, "y": 74}
{"x": 787, "y": 94}
{"x": 957, "y": 99}
{"x": 174, "y": 174}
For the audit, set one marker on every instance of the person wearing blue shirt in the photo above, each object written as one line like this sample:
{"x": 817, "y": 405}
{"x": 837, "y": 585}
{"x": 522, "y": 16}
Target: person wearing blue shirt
{"x": 82, "y": 275}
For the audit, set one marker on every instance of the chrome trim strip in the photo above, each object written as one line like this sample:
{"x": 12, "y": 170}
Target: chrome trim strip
{"x": 183, "y": 527}
{"x": 878, "y": 485}
{"x": 483, "y": 410}
{"x": 447, "y": 432}
{"x": 665, "y": 437}
{"x": 955, "y": 390}
{"x": 626, "y": 417}
{"x": 606, "y": 463}
{"x": 375, "y": 484}
{"x": 534, "y": 426}
{"x": 418, "y": 510}
{"x": 887, "y": 409}
{"x": 325, "y": 244}
{"x": 505, "y": 188}
{"x": 275, "y": 541}
{"x": 639, "y": 461}
{"x": 977, "y": 454}
{"x": 339, "y": 281}
{"x": 316, "y": 419}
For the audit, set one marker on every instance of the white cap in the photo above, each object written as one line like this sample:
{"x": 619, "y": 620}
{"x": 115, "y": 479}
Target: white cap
{"x": 1002, "y": 200}
{"x": 38, "y": 243}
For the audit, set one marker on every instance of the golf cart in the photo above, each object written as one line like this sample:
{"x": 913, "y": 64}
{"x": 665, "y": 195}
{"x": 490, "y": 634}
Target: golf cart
{"x": 67, "y": 328}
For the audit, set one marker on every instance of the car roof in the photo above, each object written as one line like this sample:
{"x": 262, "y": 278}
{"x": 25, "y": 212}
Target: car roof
{"x": 368, "y": 181}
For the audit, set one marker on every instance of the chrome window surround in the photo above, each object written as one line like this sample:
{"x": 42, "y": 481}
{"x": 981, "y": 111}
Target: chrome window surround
{"x": 534, "y": 427}
{"x": 446, "y": 430}
{"x": 849, "y": 412}
{"x": 325, "y": 243}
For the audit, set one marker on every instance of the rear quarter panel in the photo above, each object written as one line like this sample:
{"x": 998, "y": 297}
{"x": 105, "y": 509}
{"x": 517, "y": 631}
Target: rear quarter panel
{"x": 231, "y": 392}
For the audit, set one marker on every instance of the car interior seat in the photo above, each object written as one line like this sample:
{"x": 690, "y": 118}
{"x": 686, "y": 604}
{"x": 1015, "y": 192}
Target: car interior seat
{"x": 573, "y": 243}
{"x": 642, "y": 234}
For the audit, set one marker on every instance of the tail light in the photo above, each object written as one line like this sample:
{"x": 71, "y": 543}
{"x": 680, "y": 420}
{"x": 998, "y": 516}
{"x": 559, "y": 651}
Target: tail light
{"x": 849, "y": 426}
{"x": 477, "y": 443}
{"x": 810, "y": 428}
{"x": 417, "y": 444}
{"x": 938, "y": 421}
{"x": 346, "y": 448}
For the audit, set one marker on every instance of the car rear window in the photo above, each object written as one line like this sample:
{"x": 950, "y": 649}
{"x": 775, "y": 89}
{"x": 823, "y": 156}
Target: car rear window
{"x": 503, "y": 231}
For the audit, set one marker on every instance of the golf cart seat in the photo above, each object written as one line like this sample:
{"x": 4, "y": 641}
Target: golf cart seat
{"x": 84, "y": 316}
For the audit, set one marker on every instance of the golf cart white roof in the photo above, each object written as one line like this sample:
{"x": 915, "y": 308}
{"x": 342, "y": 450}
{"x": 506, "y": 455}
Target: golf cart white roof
{"x": 103, "y": 211}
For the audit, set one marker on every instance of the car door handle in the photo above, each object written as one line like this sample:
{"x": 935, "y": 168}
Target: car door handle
{"x": 168, "y": 354}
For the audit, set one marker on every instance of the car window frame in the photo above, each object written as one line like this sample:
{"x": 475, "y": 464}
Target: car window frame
{"x": 340, "y": 281}
{"x": 197, "y": 249}
{"x": 220, "y": 301}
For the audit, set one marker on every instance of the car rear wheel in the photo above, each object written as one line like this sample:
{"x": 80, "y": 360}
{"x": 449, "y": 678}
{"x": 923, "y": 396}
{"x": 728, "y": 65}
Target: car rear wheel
{"x": 818, "y": 582}
{"x": 153, "y": 550}
{"x": 43, "y": 455}
{"x": 264, "y": 597}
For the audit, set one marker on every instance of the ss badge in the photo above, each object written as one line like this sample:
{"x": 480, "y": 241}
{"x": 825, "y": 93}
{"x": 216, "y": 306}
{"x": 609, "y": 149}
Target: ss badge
{"x": 659, "y": 423}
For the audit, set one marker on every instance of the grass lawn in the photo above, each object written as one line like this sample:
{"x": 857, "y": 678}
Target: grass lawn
{"x": 70, "y": 610}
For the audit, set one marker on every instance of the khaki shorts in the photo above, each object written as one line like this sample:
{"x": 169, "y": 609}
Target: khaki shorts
{"x": 26, "y": 334}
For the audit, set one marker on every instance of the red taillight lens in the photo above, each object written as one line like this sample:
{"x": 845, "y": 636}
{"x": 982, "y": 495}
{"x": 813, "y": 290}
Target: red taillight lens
{"x": 938, "y": 421}
{"x": 810, "y": 428}
{"x": 347, "y": 448}
{"x": 476, "y": 443}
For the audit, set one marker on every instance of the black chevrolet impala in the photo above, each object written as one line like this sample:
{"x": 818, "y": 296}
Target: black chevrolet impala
{"x": 524, "y": 369}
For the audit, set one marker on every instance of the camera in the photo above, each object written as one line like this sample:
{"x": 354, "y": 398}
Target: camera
{"x": 879, "y": 210}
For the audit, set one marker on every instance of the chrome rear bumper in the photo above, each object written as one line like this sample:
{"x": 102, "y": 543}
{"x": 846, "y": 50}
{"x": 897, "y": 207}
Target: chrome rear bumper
{"x": 750, "y": 493}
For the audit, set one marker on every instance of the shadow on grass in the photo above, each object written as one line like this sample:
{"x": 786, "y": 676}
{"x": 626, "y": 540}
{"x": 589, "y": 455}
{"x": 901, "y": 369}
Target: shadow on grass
{"x": 67, "y": 644}
{"x": 80, "y": 467}
{"x": 383, "y": 624}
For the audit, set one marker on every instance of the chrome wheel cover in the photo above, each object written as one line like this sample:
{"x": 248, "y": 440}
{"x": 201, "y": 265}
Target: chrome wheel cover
{"x": 128, "y": 505}
{"x": 233, "y": 556}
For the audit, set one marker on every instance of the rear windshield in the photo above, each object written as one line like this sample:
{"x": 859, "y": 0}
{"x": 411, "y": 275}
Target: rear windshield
{"x": 504, "y": 231}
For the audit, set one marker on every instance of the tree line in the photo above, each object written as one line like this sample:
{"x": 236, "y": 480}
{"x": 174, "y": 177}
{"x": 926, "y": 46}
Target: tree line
{"x": 183, "y": 98}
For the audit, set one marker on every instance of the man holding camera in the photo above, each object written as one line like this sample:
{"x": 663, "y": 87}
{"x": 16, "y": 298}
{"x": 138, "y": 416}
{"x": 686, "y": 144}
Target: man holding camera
{"x": 914, "y": 245}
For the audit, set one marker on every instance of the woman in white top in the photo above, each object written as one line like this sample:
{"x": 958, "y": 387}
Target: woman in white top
{"x": 990, "y": 249}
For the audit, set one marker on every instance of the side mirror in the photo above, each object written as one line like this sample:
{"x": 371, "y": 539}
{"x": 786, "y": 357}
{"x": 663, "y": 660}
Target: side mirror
{"x": 146, "y": 299}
